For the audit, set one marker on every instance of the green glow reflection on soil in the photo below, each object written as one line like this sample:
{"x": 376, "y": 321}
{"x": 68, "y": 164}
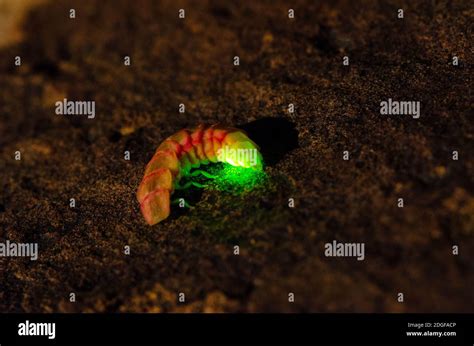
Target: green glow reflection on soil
{"x": 235, "y": 179}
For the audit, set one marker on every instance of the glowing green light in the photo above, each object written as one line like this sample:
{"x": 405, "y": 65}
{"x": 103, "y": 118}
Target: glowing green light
{"x": 223, "y": 176}
{"x": 234, "y": 179}
{"x": 244, "y": 155}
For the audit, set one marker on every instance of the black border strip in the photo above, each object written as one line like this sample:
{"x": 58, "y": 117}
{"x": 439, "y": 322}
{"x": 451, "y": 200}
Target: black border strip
{"x": 219, "y": 329}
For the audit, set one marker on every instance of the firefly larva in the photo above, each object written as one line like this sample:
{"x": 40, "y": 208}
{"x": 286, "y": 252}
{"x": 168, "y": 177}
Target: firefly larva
{"x": 185, "y": 150}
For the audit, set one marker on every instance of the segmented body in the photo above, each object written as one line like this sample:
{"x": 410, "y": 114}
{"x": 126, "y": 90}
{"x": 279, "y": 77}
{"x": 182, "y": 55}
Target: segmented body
{"x": 177, "y": 155}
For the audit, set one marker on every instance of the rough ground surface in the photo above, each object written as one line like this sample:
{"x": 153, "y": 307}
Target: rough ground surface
{"x": 282, "y": 61}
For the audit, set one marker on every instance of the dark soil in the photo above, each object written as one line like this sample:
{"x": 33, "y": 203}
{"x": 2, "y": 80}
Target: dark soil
{"x": 282, "y": 61}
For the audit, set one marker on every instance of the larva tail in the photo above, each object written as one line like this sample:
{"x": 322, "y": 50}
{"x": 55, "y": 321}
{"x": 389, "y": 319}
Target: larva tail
{"x": 154, "y": 195}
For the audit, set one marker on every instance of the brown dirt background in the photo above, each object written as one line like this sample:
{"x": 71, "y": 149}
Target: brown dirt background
{"x": 282, "y": 250}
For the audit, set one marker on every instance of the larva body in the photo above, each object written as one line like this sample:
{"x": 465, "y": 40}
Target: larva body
{"x": 179, "y": 153}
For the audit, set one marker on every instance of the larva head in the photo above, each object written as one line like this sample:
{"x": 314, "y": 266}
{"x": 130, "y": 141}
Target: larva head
{"x": 241, "y": 154}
